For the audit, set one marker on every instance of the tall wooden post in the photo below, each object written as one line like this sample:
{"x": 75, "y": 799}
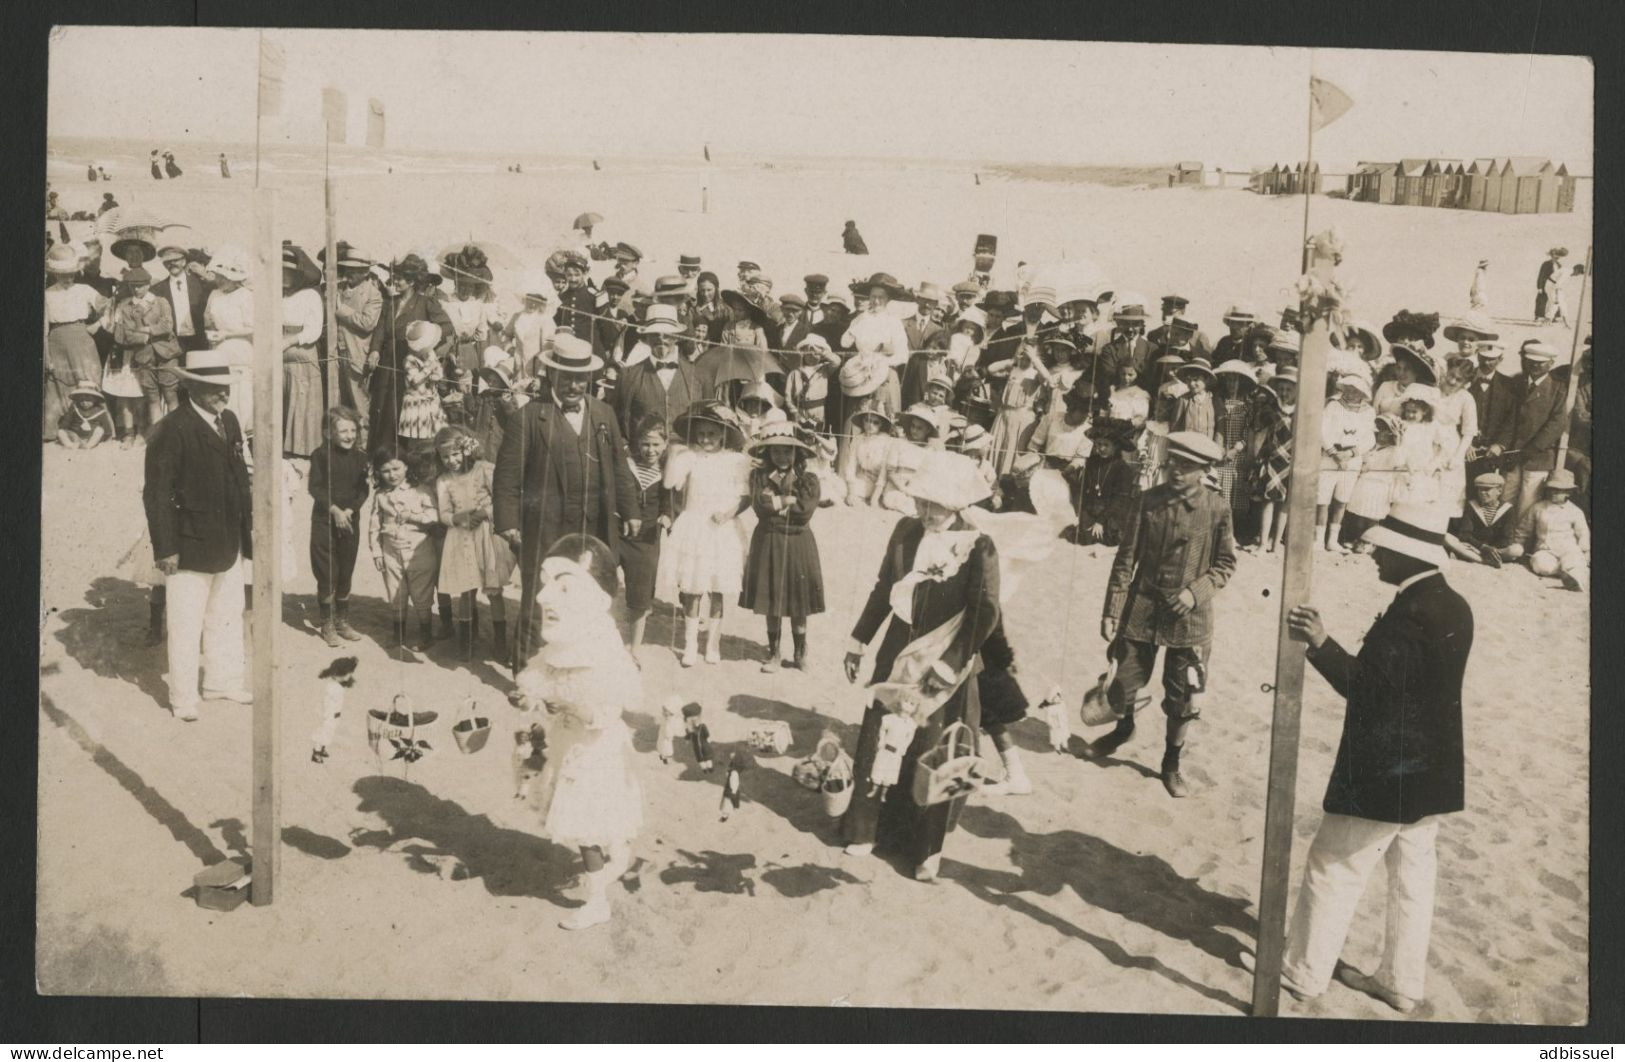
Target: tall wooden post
{"x": 266, "y": 833}
{"x": 1289, "y": 658}
{"x": 1574, "y": 366}
{"x": 330, "y": 282}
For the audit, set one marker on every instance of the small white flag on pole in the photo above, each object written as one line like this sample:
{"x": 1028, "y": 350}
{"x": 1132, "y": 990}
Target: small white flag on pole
{"x": 334, "y": 113}
{"x": 272, "y": 63}
{"x": 375, "y": 123}
{"x": 1329, "y": 102}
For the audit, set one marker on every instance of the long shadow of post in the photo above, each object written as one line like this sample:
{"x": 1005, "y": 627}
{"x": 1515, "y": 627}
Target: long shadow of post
{"x": 1140, "y": 888}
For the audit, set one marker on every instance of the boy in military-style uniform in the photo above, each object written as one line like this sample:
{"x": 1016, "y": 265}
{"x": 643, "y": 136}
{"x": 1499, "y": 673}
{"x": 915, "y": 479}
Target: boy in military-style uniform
{"x": 1175, "y": 556}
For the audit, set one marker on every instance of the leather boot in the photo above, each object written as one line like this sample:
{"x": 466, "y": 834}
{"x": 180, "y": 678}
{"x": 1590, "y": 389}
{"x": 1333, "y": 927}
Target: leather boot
{"x": 770, "y": 662}
{"x": 499, "y": 642}
{"x": 1172, "y": 780}
{"x": 1113, "y": 741}
{"x": 330, "y": 634}
{"x": 799, "y": 660}
{"x": 341, "y": 621}
{"x": 425, "y": 633}
{"x": 447, "y": 624}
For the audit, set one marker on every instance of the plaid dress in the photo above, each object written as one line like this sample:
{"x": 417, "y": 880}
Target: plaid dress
{"x": 1274, "y": 473}
{"x": 1231, "y": 432}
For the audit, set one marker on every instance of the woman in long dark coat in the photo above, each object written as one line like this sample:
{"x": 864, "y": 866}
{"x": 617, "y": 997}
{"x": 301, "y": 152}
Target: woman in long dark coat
{"x": 403, "y": 304}
{"x": 937, "y": 596}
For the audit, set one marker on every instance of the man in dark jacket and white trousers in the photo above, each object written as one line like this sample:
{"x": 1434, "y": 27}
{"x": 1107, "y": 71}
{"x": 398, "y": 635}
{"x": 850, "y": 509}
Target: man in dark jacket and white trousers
{"x": 1527, "y": 425}
{"x": 1399, "y": 765}
{"x": 563, "y": 469}
{"x": 1176, "y": 555}
{"x": 198, "y": 513}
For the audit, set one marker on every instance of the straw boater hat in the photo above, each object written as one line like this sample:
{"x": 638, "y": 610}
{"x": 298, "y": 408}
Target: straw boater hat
{"x": 1490, "y": 352}
{"x": 670, "y": 285}
{"x": 569, "y": 354}
{"x": 1537, "y": 350}
{"x": 86, "y": 389}
{"x": 1241, "y": 311}
{"x": 660, "y": 319}
{"x": 927, "y": 292}
{"x": 709, "y": 412}
{"x": 211, "y": 367}
{"x": 422, "y": 336}
{"x": 1414, "y": 530}
{"x": 926, "y": 415}
{"x": 948, "y": 479}
{"x": 1195, "y": 447}
{"x": 880, "y": 280}
{"x": 1286, "y": 341}
{"x": 778, "y": 433}
{"x": 1475, "y": 325}
{"x": 1130, "y": 308}
{"x": 974, "y": 438}
{"x": 353, "y": 261}
{"x": 62, "y": 261}
{"x": 863, "y": 374}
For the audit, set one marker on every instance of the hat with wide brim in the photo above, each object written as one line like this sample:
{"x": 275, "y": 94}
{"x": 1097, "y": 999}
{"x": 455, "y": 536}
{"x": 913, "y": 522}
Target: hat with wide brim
{"x": 863, "y": 374}
{"x": 570, "y": 354}
{"x": 950, "y": 480}
{"x": 1241, "y": 311}
{"x": 1414, "y": 530}
{"x": 974, "y": 437}
{"x": 1200, "y": 365}
{"x": 86, "y": 389}
{"x": 1356, "y": 381}
{"x": 62, "y": 260}
{"x": 1236, "y": 367}
{"x": 740, "y": 301}
{"x": 1413, "y": 326}
{"x": 813, "y": 343}
{"x": 778, "y": 433}
{"x": 1476, "y": 325}
{"x": 1423, "y": 359}
{"x": 211, "y": 367}
{"x": 878, "y": 413}
{"x": 1363, "y": 334}
{"x": 1562, "y": 479}
{"x": 924, "y": 414}
{"x": 709, "y": 412}
{"x": 660, "y": 319}
{"x": 880, "y": 280}
{"x": 124, "y": 245}
{"x": 423, "y": 335}
{"x": 230, "y": 262}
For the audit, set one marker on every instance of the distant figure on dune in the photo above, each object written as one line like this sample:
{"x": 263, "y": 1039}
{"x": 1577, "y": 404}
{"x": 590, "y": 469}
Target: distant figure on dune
{"x": 90, "y": 173}
{"x": 853, "y": 240}
{"x": 105, "y": 175}
{"x": 169, "y": 165}
{"x": 1475, "y": 294}
{"x": 108, "y": 203}
{"x": 225, "y": 167}
{"x": 157, "y": 170}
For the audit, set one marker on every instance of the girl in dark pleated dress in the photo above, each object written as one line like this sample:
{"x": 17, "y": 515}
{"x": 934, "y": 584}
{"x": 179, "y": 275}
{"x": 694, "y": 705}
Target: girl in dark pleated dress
{"x": 782, "y": 572}
{"x": 640, "y": 554}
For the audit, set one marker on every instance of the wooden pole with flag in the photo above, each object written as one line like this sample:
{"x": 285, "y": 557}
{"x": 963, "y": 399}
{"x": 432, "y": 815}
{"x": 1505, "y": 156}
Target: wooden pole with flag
{"x": 265, "y": 821}
{"x": 1316, "y": 305}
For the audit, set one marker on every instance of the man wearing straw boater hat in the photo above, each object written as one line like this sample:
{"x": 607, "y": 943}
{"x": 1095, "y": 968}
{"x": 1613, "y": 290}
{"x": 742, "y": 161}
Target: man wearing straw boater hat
{"x": 187, "y": 295}
{"x": 359, "y": 308}
{"x": 665, "y": 383}
{"x": 562, "y": 469}
{"x": 198, "y": 514}
{"x": 1525, "y": 430}
{"x": 1399, "y": 765}
{"x": 1175, "y": 556}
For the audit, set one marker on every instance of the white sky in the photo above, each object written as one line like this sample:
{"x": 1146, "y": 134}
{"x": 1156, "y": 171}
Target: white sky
{"x": 611, "y": 94}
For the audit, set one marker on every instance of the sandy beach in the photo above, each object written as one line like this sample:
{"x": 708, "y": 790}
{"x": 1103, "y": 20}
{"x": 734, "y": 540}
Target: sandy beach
{"x": 1096, "y": 893}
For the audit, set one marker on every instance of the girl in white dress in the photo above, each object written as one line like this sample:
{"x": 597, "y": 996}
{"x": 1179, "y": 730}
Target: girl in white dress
{"x": 903, "y": 457}
{"x": 706, "y": 552}
{"x": 1455, "y": 418}
{"x": 580, "y": 683}
{"x": 865, "y": 459}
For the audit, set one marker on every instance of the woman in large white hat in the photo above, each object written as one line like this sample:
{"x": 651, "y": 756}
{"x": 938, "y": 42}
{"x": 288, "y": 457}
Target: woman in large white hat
{"x": 70, "y": 352}
{"x": 934, "y": 604}
{"x": 228, "y": 323}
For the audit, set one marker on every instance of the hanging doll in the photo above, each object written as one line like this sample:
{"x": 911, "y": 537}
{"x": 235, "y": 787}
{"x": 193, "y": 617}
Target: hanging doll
{"x": 336, "y": 678}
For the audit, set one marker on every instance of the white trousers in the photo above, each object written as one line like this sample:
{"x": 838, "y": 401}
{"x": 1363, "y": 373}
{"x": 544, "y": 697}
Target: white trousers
{"x": 1523, "y": 489}
{"x": 205, "y": 608}
{"x": 1344, "y": 853}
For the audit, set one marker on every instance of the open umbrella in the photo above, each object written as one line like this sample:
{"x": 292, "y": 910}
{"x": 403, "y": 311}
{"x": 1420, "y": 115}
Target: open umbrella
{"x": 727, "y": 363}
{"x": 588, "y": 220}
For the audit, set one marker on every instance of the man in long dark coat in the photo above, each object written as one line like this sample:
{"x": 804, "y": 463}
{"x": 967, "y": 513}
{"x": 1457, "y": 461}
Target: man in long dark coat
{"x": 562, "y": 469}
{"x": 1399, "y": 765}
{"x": 663, "y": 383}
{"x": 1524, "y": 430}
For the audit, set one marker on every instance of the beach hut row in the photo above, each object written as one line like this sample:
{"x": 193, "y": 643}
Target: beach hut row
{"x": 1287, "y": 179}
{"x": 1516, "y": 184}
{"x": 1209, "y": 174}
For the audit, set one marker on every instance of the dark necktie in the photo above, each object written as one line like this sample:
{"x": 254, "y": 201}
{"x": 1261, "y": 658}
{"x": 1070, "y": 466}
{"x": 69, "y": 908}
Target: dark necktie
{"x": 219, "y": 426}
